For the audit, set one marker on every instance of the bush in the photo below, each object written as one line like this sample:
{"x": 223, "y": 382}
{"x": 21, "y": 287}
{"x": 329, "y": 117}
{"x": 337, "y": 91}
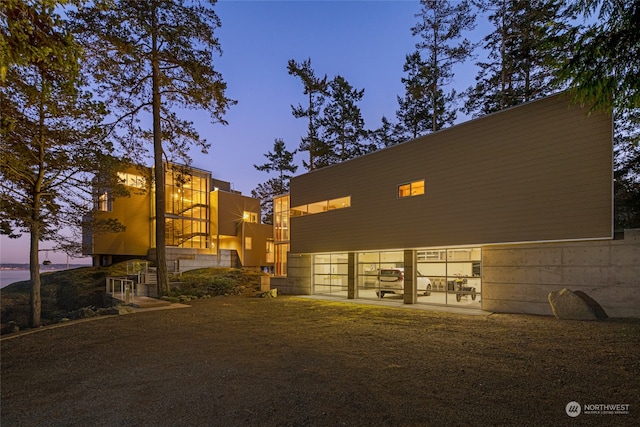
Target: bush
{"x": 222, "y": 286}
{"x": 201, "y": 284}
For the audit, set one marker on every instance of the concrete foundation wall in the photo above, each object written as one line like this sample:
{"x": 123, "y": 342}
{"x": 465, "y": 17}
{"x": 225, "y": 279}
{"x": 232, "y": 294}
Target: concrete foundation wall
{"x": 298, "y": 280}
{"x": 518, "y": 278}
{"x": 185, "y": 259}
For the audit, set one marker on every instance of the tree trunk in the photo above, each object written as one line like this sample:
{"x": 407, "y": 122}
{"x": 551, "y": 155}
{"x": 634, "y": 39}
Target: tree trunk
{"x": 35, "y": 225}
{"x": 311, "y": 133}
{"x": 34, "y": 273}
{"x": 161, "y": 247}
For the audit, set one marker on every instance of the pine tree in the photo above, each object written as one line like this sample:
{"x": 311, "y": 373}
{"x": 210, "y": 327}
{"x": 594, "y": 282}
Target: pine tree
{"x": 528, "y": 34}
{"x": 316, "y": 89}
{"x": 602, "y": 72}
{"x": 52, "y": 144}
{"x": 386, "y": 135}
{"x": 603, "y": 69}
{"x": 343, "y": 125}
{"x": 281, "y": 161}
{"x": 415, "y": 109}
{"x": 150, "y": 59}
{"x": 440, "y": 29}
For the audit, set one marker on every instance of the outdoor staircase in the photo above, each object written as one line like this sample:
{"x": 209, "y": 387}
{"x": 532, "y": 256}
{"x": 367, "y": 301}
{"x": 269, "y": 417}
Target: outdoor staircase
{"x": 122, "y": 289}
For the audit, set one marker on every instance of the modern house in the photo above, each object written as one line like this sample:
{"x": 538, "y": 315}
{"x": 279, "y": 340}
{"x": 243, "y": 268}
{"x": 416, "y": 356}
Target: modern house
{"x": 491, "y": 214}
{"x": 207, "y": 223}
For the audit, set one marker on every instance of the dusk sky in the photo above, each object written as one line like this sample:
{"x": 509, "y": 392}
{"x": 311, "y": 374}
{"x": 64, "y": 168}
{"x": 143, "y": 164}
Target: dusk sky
{"x": 363, "y": 41}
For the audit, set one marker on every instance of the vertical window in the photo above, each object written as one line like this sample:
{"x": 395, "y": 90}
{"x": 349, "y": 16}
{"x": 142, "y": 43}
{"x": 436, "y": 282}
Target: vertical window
{"x": 281, "y": 234}
{"x": 410, "y": 189}
{"x": 103, "y": 202}
{"x": 247, "y": 243}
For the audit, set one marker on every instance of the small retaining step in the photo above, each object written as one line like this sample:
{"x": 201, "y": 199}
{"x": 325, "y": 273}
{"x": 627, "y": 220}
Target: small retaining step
{"x": 146, "y": 302}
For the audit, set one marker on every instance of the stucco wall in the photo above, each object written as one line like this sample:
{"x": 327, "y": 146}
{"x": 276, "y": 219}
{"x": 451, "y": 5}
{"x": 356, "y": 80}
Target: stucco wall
{"x": 518, "y": 278}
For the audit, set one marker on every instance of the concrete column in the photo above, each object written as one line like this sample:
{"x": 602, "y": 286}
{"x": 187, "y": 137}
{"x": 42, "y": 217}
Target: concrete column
{"x": 351, "y": 280}
{"x": 410, "y": 278}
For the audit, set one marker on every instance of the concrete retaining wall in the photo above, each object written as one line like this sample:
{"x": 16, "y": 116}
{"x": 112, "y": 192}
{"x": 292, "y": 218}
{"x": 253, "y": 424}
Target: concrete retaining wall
{"x": 185, "y": 259}
{"x": 518, "y": 278}
{"x": 298, "y": 280}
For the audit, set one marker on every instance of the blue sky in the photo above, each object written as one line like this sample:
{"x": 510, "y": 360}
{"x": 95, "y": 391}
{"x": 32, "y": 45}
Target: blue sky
{"x": 364, "y": 41}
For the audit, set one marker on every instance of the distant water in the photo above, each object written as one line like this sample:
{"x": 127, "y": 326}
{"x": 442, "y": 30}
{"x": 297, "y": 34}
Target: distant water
{"x": 8, "y": 277}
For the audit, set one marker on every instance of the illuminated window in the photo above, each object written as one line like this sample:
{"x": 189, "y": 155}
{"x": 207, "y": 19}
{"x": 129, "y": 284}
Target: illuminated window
{"x": 404, "y": 190}
{"x": 247, "y": 243}
{"x": 131, "y": 180}
{"x": 414, "y": 188}
{"x": 343, "y": 202}
{"x": 103, "y": 202}
{"x": 250, "y": 217}
{"x": 322, "y": 206}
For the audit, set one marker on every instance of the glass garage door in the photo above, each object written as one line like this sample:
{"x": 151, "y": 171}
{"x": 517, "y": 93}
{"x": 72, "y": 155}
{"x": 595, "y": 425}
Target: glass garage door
{"x": 380, "y": 275}
{"x": 450, "y": 276}
{"x": 330, "y": 274}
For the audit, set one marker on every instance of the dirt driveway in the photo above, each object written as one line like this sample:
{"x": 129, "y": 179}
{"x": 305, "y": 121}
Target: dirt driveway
{"x": 234, "y": 361}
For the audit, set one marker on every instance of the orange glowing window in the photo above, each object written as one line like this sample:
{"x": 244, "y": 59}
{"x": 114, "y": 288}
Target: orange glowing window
{"x": 414, "y": 188}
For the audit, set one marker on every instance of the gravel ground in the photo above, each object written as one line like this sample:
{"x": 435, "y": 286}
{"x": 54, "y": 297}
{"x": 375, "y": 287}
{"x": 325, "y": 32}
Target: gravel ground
{"x": 236, "y": 361}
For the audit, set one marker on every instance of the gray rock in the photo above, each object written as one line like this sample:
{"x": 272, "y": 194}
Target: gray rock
{"x": 569, "y": 305}
{"x": 273, "y": 293}
{"x": 123, "y": 309}
{"x": 13, "y": 327}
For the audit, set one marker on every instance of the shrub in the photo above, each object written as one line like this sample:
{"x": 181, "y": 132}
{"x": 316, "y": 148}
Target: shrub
{"x": 222, "y": 286}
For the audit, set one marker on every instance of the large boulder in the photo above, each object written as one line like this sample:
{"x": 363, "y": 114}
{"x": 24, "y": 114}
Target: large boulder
{"x": 569, "y": 305}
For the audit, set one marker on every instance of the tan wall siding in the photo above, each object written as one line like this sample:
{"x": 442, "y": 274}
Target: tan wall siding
{"x": 259, "y": 233}
{"x": 540, "y": 171}
{"x": 518, "y": 278}
{"x": 134, "y": 212}
{"x": 233, "y": 206}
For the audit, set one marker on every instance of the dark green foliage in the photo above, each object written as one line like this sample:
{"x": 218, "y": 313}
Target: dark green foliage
{"x": 441, "y": 46}
{"x": 281, "y": 161}
{"x": 316, "y": 89}
{"x": 627, "y": 169}
{"x": 415, "y": 108}
{"x": 63, "y": 292}
{"x": 529, "y": 38}
{"x": 217, "y": 281}
{"x": 343, "y": 125}
{"x": 604, "y": 68}
{"x": 150, "y": 60}
{"x": 386, "y": 135}
{"x": 67, "y": 296}
{"x": 52, "y": 143}
{"x": 603, "y": 72}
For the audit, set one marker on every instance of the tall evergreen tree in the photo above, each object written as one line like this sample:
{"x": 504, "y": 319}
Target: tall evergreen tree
{"x": 602, "y": 72}
{"x": 280, "y": 160}
{"x": 528, "y": 35}
{"x": 603, "y": 68}
{"x": 343, "y": 125}
{"x": 440, "y": 29}
{"x": 415, "y": 109}
{"x": 316, "y": 89}
{"x": 148, "y": 59}
{"x": 51, "y": 142}
{"x": 386, "y": 135}
{"x": 627, "y": 169}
